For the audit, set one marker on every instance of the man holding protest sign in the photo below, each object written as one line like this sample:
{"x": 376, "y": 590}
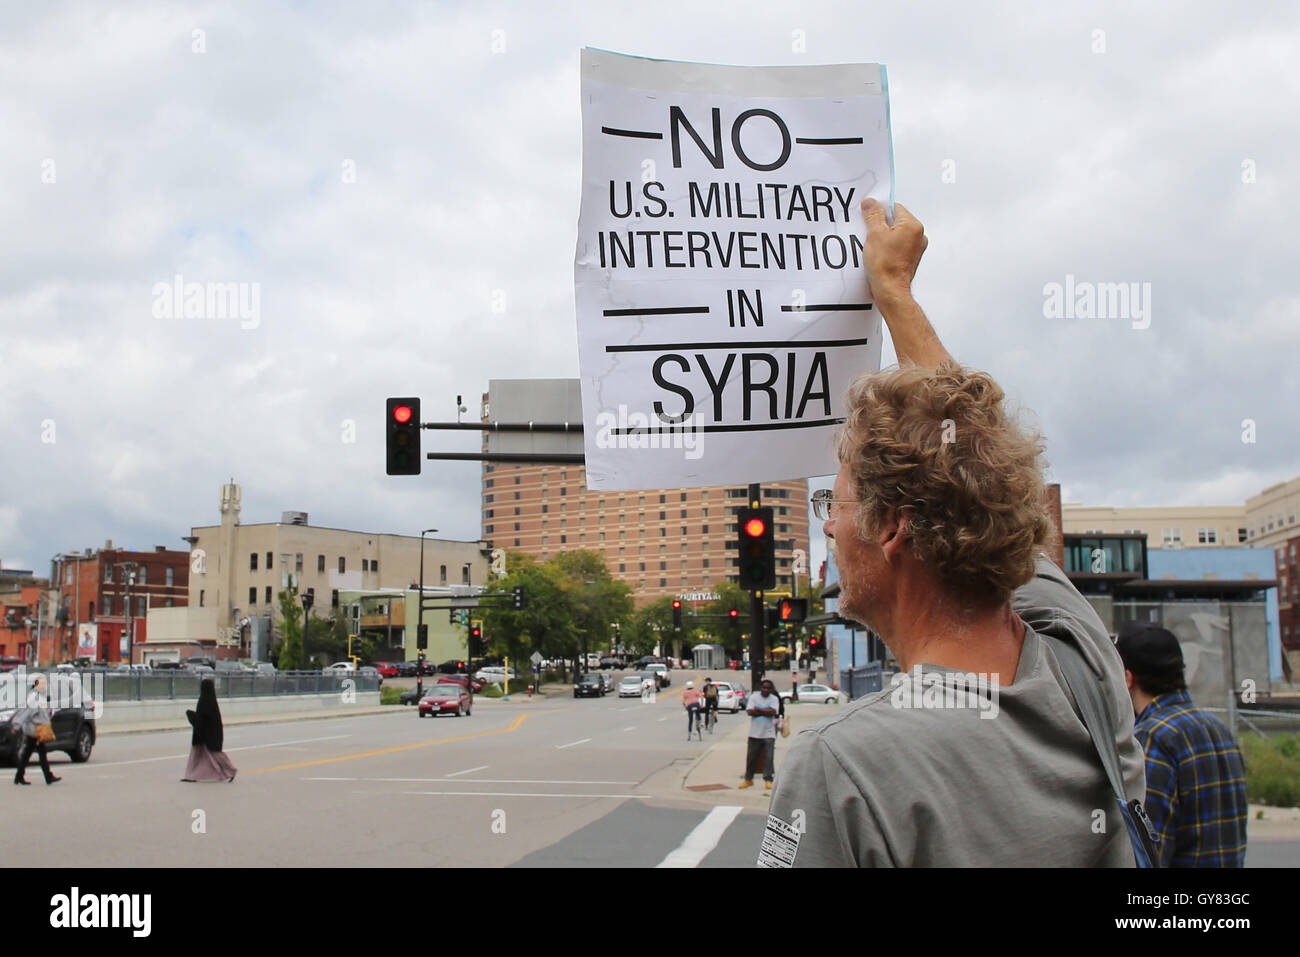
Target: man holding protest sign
{"x": 938, "y": 522}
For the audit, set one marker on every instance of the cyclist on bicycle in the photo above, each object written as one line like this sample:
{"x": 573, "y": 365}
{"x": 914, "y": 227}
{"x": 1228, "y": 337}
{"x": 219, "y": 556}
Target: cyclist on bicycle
{"x": 709, "y": 692}
{"x": 691, "y": 702}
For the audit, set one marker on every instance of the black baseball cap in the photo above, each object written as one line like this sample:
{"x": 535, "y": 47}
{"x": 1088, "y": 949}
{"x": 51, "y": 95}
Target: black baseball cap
{"x": 1150, "y": 651}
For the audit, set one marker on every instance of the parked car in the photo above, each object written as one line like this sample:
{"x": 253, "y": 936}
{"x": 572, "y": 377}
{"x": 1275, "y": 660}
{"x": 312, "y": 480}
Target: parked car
{"x": 264, "y": 668}
{"x": 612, "y": 662}
{"x": 232, "y": 667}
{"x": 495, "y": 675}
{"x": 338, "y": 668}
{"x": 728, "y": 699}
{"x": 370, "y": 671}
{"x": 473, "y": 684}
{"x": 590, "y": 685}
{"x": 814, "y": 694}
{"x": 630, "y": 687}
{"x": 608, "y": 679}
{"x": 452, "y": 667}
{"x": 742, "y": 695}
{"x": 661, "y": 672}
{"x": 74, "y": 727}
{"x": 389, "y": 669}
{"x": 446, "y": 698}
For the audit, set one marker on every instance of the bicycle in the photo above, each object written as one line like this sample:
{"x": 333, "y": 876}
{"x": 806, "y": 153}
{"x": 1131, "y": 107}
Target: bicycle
{"x": 710, "y": 718}
{"x": 695, "y": 727}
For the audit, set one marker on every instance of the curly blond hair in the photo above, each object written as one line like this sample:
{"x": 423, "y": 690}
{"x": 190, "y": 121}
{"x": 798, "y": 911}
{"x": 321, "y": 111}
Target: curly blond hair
{"x": 937, "y": 446}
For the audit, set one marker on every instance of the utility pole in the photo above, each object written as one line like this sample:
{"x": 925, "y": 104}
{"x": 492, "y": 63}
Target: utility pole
{"x": 756, "y": 617}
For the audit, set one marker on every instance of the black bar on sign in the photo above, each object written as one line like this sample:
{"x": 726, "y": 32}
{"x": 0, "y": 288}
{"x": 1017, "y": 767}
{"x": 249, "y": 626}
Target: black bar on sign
{"x": 569, "y": 427}
{"x": 830, "y": 307}
{"x": 558, "y": 458}
{"x": 829, "y": 140}
{"x": 638, "y": 134}
{"x": 738, "y": 344}
{"x": 660, "y": 311}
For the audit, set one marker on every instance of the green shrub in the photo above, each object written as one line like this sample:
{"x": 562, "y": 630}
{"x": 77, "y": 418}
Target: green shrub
{"x": 389, "y": 695}
{"x": 492, "y": 691}
{"x": 1272, "y": 769}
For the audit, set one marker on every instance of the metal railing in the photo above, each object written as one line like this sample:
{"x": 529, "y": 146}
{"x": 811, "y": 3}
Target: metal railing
{"x": 179, "y": 684}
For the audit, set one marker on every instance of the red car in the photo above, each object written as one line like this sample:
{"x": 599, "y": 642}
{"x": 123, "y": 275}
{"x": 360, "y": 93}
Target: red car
{"x": 474, "y": 685}
{"x": 387, "y": 669}
{"x": 446, "y": 698}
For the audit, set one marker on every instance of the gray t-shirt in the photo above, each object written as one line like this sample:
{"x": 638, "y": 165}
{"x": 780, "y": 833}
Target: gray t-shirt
{"x": 882, "y": 784}
{"x": 761, "y": 726}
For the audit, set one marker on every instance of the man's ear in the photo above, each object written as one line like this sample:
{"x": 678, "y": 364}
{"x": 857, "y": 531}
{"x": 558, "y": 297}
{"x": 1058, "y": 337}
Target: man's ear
{"x": 892, "y": 535}
{"x": 1128, "y": 679}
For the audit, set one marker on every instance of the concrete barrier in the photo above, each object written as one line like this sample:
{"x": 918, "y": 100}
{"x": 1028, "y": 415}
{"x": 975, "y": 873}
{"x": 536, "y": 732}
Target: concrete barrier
{"x": 173, "y": 710}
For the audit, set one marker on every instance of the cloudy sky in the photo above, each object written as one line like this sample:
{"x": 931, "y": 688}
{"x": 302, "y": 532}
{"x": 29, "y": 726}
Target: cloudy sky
{"x": 1112, "y": 144}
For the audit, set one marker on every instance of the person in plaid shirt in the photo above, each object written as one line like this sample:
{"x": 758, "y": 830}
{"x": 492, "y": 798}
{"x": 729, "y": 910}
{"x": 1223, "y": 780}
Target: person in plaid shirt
{"x": 1196, "y": 781}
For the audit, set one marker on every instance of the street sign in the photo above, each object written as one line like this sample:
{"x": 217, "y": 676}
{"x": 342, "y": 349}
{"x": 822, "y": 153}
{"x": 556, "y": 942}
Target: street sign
{"x": 536, "y": 658}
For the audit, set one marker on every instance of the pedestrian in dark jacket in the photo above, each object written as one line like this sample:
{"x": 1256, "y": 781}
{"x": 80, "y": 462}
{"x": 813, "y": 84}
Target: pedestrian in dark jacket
{"x": 207, "y": 761}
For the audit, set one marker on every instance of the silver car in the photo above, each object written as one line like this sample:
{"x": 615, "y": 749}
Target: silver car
{"x": 630, "y": 687}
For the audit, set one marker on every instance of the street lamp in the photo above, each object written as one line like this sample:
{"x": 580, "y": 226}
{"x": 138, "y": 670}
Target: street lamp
{"x": 308, "y": 599}
{"x": 128, "y": 580}
{"x": 419, "y": 622}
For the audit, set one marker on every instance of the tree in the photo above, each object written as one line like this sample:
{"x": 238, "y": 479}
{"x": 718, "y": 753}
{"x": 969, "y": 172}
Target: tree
{"x": 291, "y": 653}
{"x": 327, "y": 640}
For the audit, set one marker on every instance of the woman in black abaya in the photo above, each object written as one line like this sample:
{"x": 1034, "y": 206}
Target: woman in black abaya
{"x": 207, "y": 761}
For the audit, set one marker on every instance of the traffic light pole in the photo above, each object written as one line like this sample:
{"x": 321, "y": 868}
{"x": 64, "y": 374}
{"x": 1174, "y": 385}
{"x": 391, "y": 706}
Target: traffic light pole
{"x": 756, "y": 616}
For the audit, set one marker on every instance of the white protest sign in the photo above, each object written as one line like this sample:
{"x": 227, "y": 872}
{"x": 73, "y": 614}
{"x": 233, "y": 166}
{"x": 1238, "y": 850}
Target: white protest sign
{"x": 722, "y": 306}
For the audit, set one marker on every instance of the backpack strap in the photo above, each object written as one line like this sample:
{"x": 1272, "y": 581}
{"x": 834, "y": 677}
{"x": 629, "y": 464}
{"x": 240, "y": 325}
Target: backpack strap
{"x": 1085, "y": 686}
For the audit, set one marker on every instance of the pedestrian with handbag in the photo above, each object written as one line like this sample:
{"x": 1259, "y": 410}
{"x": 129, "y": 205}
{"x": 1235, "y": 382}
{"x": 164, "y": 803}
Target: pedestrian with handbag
{"x": 207, "y": 761}
{"x": 35, "y": 724}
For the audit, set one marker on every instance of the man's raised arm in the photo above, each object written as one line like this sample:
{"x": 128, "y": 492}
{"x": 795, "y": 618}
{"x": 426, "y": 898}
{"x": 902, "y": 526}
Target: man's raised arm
{"x": 892, "y": 255}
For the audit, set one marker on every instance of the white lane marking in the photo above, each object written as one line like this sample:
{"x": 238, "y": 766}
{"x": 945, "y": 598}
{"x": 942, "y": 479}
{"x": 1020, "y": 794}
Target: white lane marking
{"x": 665, "y": 718}
{"x": 701, "y": 841}
{"x": 456, "y": 774}
{"x": 633, "y": 708}
{"x": 630, "y": 728}
{"x": 561, "y": 747}
{"x": 247, "y": 747}
{"x": 476, "y": 780}
{"x": 527, "y": 794}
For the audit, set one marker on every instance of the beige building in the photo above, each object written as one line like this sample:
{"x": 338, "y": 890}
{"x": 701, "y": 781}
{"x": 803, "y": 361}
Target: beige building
{"x": 1264, "y": 521}
{"x": 238, "y": 570}
{"x": 668, "y": 541}
{"x": 1271, "y": 515}
{"x": 1198, "y": 526}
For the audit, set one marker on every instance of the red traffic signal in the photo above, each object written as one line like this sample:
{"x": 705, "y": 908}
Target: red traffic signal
{"x": 812, "y": 642}
{"x": 755, "y": 528}
{"x": 733, "y": 613}
{"x": 677, "y": 603}
{"x": 476, "y": 632}
{"x": 402, "y": 413}
{"x": 402, "y": 436}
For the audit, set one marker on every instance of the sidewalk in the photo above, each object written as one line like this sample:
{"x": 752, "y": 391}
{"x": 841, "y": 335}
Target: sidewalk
{"x": 717, "y": 773}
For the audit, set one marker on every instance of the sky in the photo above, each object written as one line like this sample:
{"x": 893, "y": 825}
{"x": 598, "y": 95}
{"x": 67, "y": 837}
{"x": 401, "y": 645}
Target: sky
{"x": 400, "y": 182}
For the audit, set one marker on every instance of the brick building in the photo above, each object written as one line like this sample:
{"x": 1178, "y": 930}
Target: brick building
{"x": 658, "y": 541}
{"x": 95, "y": 596}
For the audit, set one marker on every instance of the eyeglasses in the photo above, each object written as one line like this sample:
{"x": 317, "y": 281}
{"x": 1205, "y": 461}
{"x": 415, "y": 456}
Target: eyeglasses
{"x": 822, "y": 502}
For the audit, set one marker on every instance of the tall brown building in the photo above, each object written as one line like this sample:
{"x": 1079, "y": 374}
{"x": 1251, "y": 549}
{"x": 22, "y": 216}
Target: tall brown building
{"x": 667, "y": 541}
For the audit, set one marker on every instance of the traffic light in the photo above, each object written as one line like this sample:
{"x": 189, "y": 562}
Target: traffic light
{"x": 476, "y": 642}
{"x": 519, "y": 597}
{"x": 812, "y": 642}
{"x": 793, "y": 609}
{"x": 757, "y": 549}
{"x": 422, "y": 638}
{"x": 677, "y": 614}
{"x": 403, "y": 436}
{"x": 734, "y": 615}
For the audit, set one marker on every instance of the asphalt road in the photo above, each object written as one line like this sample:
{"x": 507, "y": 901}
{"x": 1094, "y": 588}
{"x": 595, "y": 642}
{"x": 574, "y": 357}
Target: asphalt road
{"x": 556, "y": 782}
{"x": 546, "y": 783}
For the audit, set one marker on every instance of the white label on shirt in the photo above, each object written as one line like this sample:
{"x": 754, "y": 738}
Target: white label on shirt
{"x": 780, "y": 844}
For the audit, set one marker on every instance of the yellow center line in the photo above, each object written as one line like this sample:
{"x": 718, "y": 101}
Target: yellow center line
{"x": 513, "y": 726}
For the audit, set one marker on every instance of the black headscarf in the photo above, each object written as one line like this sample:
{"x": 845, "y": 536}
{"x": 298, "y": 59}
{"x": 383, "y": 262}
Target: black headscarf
{"x": 206, "y": 718}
